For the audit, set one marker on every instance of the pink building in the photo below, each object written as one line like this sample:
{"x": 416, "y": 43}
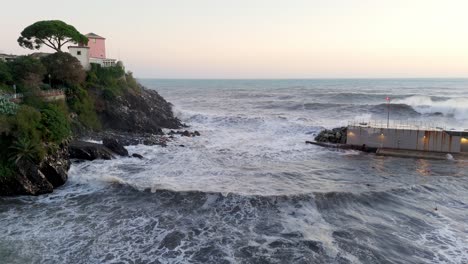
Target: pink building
{"x": 92, "y": 53}
{"x": 97, "y": 46}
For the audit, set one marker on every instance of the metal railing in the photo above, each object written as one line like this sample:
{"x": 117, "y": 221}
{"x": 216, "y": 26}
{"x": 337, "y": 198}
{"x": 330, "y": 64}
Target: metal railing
{"x": 397, "y": 124}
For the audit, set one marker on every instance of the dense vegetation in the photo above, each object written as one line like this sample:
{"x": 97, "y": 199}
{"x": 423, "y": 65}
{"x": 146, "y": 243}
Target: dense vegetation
{"x": 32, "y": 127}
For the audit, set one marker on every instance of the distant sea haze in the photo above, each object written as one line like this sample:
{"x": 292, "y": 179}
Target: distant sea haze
{"x": 249, "y": 190}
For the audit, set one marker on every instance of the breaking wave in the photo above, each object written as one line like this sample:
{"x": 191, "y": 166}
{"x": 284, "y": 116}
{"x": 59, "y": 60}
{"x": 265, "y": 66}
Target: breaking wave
{"x": 249, "y": 190}
{"x": 450, "y": 107}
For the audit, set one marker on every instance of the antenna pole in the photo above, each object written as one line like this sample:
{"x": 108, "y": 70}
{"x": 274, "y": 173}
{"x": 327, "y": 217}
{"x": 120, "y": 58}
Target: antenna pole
{"x": 388, "y": 111}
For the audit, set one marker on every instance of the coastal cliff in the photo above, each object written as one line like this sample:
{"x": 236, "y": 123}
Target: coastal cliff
{"x": 130, "y": 115}
{"x": 140, "y": 111}
{"x": 34, "y": 178}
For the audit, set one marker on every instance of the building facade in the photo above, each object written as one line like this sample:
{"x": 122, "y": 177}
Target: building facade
{"x": 97, "y": 46}
{"x": 93, "y": 52}
{"x": 434, "y": 140}
{"x": 82, "y": 54}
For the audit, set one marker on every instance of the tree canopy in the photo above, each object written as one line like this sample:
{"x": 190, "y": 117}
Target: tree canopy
{"x": 51, "y": 33}
{"x": 27, "y": 71}
{"x": 64, "y": 68}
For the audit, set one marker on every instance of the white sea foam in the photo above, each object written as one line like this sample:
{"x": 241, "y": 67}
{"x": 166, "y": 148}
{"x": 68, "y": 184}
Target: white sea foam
{"x": 245, "y": 159}
{"x": 456, "y": 107}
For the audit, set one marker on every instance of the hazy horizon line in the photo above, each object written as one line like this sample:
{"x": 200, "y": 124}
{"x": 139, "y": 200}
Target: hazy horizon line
{"x": 317, "y": 78}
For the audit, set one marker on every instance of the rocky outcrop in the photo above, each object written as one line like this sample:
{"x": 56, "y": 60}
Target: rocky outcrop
{"x": 135, "y": 117}
{"x": 55, "y": 167}
{"x": 137, "y": 112}
{"x": 126, "y": 138}
{"x": 36, "y": 179}
{"x": 138, "y": 156}
{"x": 184, "y": 133}
{"x": 82, "y": 150}
{"x": 115, "y": 146}
{"x": 335, "y": 135}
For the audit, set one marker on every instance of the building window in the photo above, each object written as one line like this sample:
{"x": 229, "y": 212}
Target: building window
{"x": 94, "y": 40}
{"x": 78, "y": 52}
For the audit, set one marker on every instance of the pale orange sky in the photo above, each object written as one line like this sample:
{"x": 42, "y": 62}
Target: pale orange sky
{"x": 265, "y": 38}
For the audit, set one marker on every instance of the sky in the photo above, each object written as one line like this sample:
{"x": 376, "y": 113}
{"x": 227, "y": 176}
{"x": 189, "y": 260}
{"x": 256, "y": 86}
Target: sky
{"x": 264, "y": 38}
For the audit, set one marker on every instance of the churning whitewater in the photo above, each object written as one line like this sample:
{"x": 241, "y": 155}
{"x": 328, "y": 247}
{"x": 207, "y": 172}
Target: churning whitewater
{"x": 250, "y": 191}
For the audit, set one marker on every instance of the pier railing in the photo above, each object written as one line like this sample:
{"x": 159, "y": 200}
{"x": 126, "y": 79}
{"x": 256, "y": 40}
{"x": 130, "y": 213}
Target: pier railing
{"x": 397, "y": 124}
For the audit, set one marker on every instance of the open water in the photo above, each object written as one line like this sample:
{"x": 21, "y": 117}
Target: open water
{"x": 249, "y": 190}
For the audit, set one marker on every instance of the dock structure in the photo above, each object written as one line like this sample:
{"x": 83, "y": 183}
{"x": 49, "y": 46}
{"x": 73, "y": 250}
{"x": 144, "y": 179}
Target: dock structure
{"x": 406, "y": 136}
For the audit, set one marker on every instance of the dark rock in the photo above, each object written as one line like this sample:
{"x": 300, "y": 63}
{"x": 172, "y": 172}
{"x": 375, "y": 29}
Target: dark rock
{"x": 336, "y": 135}
{"x": 127, "y": 139}
{"x": 115, "y": 146}
{"x": 41, "y": 178}
{"x": 184, "y": 133}
{"x": 89, "y": 151}
{"x": 32, "y": 180}
{"x": 135, "y": 155}
{"x": 55, "y": 167}
{"x": 143, "y": 111}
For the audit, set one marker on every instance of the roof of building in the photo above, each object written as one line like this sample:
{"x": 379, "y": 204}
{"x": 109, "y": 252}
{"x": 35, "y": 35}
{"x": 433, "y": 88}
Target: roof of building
{"x": 94, "y": 36}
{"x": 40, "y": 54}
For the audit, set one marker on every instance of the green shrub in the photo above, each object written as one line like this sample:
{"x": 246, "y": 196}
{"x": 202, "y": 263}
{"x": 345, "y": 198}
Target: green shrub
{"x": 7, "y": 107}
{"x": 27, "y": 72}
{"x": 7, "y": 171}
{"x": 24, "y": 149}
{"x": 5, "y": 74}
{"x": 132, "y": 82}
{"x": 110, "y": 78}
{"x": 27, "y": 125}
{"x": 108, "y": 94}
{"x": 83, "y": 105}
{"x": 55, "y": 125}
{"x": 107, "y": 76}
{"x": 64, "y": 69}
{"x": 5, "y": 124}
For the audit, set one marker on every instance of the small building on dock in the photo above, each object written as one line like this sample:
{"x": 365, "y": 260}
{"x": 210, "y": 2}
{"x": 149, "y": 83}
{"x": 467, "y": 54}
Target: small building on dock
{"x": 414, "y": 137}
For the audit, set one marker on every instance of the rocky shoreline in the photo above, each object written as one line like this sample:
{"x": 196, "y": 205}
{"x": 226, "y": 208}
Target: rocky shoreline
{"x": 132, "y": 119}
{"x": 114, "y": 143}
{"x": 36, "y": 179}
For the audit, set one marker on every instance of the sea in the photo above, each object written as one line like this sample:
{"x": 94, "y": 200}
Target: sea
{"x": 249, "y": 190}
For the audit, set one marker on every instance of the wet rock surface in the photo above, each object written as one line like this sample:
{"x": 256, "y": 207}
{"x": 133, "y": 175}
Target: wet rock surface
{"x": 184, "y": 133}
{"x": 36, "y": 179}
{"x": 335, "y": 135}
{"x": 82, "y": 150}
{"x": 135, "y": 117}
{"x": 127, "y": 138}
{"x": 115, "y": 146}
{"x": 144, "y": 111}
{"x": 138, "y": 156}
{"x": 55, "y": 167}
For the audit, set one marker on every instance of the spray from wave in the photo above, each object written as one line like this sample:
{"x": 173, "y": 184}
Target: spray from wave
{"x": 450, "y": 107}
